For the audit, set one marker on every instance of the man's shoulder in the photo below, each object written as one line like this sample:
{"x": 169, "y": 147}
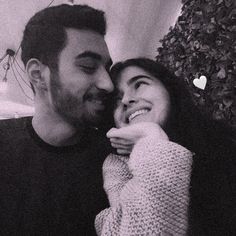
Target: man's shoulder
{"x": 99, "y": 141}
{"x": 13, "y": 125}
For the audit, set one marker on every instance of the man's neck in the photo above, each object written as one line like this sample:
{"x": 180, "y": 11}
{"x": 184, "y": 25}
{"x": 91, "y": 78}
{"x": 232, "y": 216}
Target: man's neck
{"x": 55, "y": 131}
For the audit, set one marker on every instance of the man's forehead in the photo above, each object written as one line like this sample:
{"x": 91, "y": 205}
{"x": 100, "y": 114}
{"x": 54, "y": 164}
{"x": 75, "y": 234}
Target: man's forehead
{"x": 82, "y": 41}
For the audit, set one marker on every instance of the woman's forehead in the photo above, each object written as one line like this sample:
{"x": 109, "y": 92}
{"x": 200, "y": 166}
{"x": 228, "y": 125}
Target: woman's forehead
{"x": 131, "y": 71}
{"x": 127, "y": 75}
{"x": 131, "y": 74}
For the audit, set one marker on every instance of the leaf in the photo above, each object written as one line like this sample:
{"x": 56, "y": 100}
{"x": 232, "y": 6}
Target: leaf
{"x": 203, "y": 42}
{"x": 228, "y": 102}
{"x": 221, "y": 74}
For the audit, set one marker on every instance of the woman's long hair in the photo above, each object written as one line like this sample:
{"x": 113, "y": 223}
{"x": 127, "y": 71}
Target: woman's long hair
{"x": 212, "y": 208}
{"x": 186, "y": 125}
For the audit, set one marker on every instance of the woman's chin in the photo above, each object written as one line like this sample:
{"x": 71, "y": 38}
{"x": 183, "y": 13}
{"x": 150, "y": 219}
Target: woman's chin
{"x": 140, "y": 119}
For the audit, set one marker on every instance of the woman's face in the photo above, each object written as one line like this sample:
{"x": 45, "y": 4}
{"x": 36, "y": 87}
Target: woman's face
{"x": 140, "y": 97}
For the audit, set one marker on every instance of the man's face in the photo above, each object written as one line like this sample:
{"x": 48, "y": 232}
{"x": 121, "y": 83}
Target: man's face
{"x": 80, "y": 87}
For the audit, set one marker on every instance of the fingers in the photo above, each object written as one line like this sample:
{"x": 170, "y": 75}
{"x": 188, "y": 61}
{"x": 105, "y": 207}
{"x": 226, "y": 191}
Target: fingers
{"x": 123, "y": 152}
{"x": 119, "y": 133}
{"x": 120, "y": 146}
{"x": 110, "y": 133}
{"x": 121, "y": 141}
{"x": 123, "y": 147}
{"x": 136, "y": 131}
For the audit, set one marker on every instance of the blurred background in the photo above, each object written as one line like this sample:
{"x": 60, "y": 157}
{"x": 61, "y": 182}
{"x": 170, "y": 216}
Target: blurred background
{"x": 134, "y": 29}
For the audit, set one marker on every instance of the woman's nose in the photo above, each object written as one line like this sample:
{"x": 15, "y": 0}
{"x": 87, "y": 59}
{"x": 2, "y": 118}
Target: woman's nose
{"x": 128, "y": 99}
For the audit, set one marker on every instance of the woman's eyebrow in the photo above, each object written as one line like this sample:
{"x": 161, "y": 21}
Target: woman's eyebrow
{"x": 129, "y": 82}
{"x": 135, "y": 78}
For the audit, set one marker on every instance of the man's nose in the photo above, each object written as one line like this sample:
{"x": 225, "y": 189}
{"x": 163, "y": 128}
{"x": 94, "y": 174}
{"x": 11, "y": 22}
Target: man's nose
{"x": 104, "y": 82}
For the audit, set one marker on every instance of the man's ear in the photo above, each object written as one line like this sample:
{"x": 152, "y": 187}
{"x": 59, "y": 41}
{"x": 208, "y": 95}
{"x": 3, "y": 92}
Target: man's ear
{"x": 36, "y": 72}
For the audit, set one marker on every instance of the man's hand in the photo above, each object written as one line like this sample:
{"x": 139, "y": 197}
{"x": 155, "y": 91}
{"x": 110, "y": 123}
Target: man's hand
{"x": 123, "y": 139}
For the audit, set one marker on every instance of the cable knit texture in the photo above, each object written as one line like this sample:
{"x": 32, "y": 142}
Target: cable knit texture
{"x": 148, "y": 192}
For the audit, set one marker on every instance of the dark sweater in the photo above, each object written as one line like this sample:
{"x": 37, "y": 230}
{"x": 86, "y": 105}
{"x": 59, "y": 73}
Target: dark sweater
{"x": 47, "y": 190}
{"x": 213, "y": 191}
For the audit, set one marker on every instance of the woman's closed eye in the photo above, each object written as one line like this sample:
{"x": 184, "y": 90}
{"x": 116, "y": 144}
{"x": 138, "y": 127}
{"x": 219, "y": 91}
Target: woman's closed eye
{"x": 140, "y": 83}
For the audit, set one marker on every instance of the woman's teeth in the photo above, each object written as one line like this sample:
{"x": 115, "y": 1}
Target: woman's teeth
{"x": 137, "y": 113}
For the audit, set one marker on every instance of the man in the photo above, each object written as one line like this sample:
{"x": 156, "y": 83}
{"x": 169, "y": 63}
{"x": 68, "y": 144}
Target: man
{"x": 51, "y": 164}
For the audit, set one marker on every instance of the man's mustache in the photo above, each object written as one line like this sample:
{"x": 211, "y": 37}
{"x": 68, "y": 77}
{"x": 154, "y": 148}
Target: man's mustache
{"x": 98, "y": 95}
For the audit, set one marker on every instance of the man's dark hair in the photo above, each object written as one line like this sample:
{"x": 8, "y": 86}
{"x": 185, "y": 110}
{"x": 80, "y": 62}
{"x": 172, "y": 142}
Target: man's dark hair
{"x": 44, "y": 35}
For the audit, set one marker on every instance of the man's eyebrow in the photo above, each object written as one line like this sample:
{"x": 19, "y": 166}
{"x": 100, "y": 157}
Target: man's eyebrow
{"x": 135, "y": 78}
{"x": 89, "y": 54}
{"x": 94, "y": 55}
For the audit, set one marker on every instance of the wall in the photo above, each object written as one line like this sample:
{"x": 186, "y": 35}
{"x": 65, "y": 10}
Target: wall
{"x": 134, "y": 29}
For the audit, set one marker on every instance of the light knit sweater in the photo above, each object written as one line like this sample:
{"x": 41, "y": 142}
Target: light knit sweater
{"x": 148, "y": 192}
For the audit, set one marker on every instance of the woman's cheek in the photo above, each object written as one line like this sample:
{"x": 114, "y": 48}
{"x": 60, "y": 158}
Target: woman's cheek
{"x": 118, "y": 117}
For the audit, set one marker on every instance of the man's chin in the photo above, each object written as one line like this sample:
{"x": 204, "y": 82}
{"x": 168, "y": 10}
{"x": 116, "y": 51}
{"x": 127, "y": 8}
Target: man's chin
{"x": 87, "y": 122}
{"x": 102, "y": 122}
{"x": 91, "y": 119}
{"x": 94, "y": 121}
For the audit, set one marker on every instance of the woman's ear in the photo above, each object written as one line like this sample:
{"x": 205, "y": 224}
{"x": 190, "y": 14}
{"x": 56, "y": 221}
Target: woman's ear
{"x": 35, "y": 70}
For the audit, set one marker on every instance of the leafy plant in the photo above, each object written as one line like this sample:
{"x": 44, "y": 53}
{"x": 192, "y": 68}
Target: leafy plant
{"x": 203, "y": 42}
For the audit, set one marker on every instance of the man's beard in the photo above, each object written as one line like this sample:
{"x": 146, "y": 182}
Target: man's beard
{"x": 67, "y": 105}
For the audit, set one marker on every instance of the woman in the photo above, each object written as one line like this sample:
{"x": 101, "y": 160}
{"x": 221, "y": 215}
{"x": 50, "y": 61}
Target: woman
{"x": 150, "y": 192}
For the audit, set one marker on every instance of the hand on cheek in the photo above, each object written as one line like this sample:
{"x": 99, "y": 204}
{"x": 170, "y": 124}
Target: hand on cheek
{"x": 123, "y": 146}
{"x": 123, "y": 139}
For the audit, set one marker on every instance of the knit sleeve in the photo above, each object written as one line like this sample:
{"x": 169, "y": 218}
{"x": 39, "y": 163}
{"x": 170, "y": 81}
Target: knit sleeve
{"x": 154, "y": 201}
{"x": 115, "y": 174}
